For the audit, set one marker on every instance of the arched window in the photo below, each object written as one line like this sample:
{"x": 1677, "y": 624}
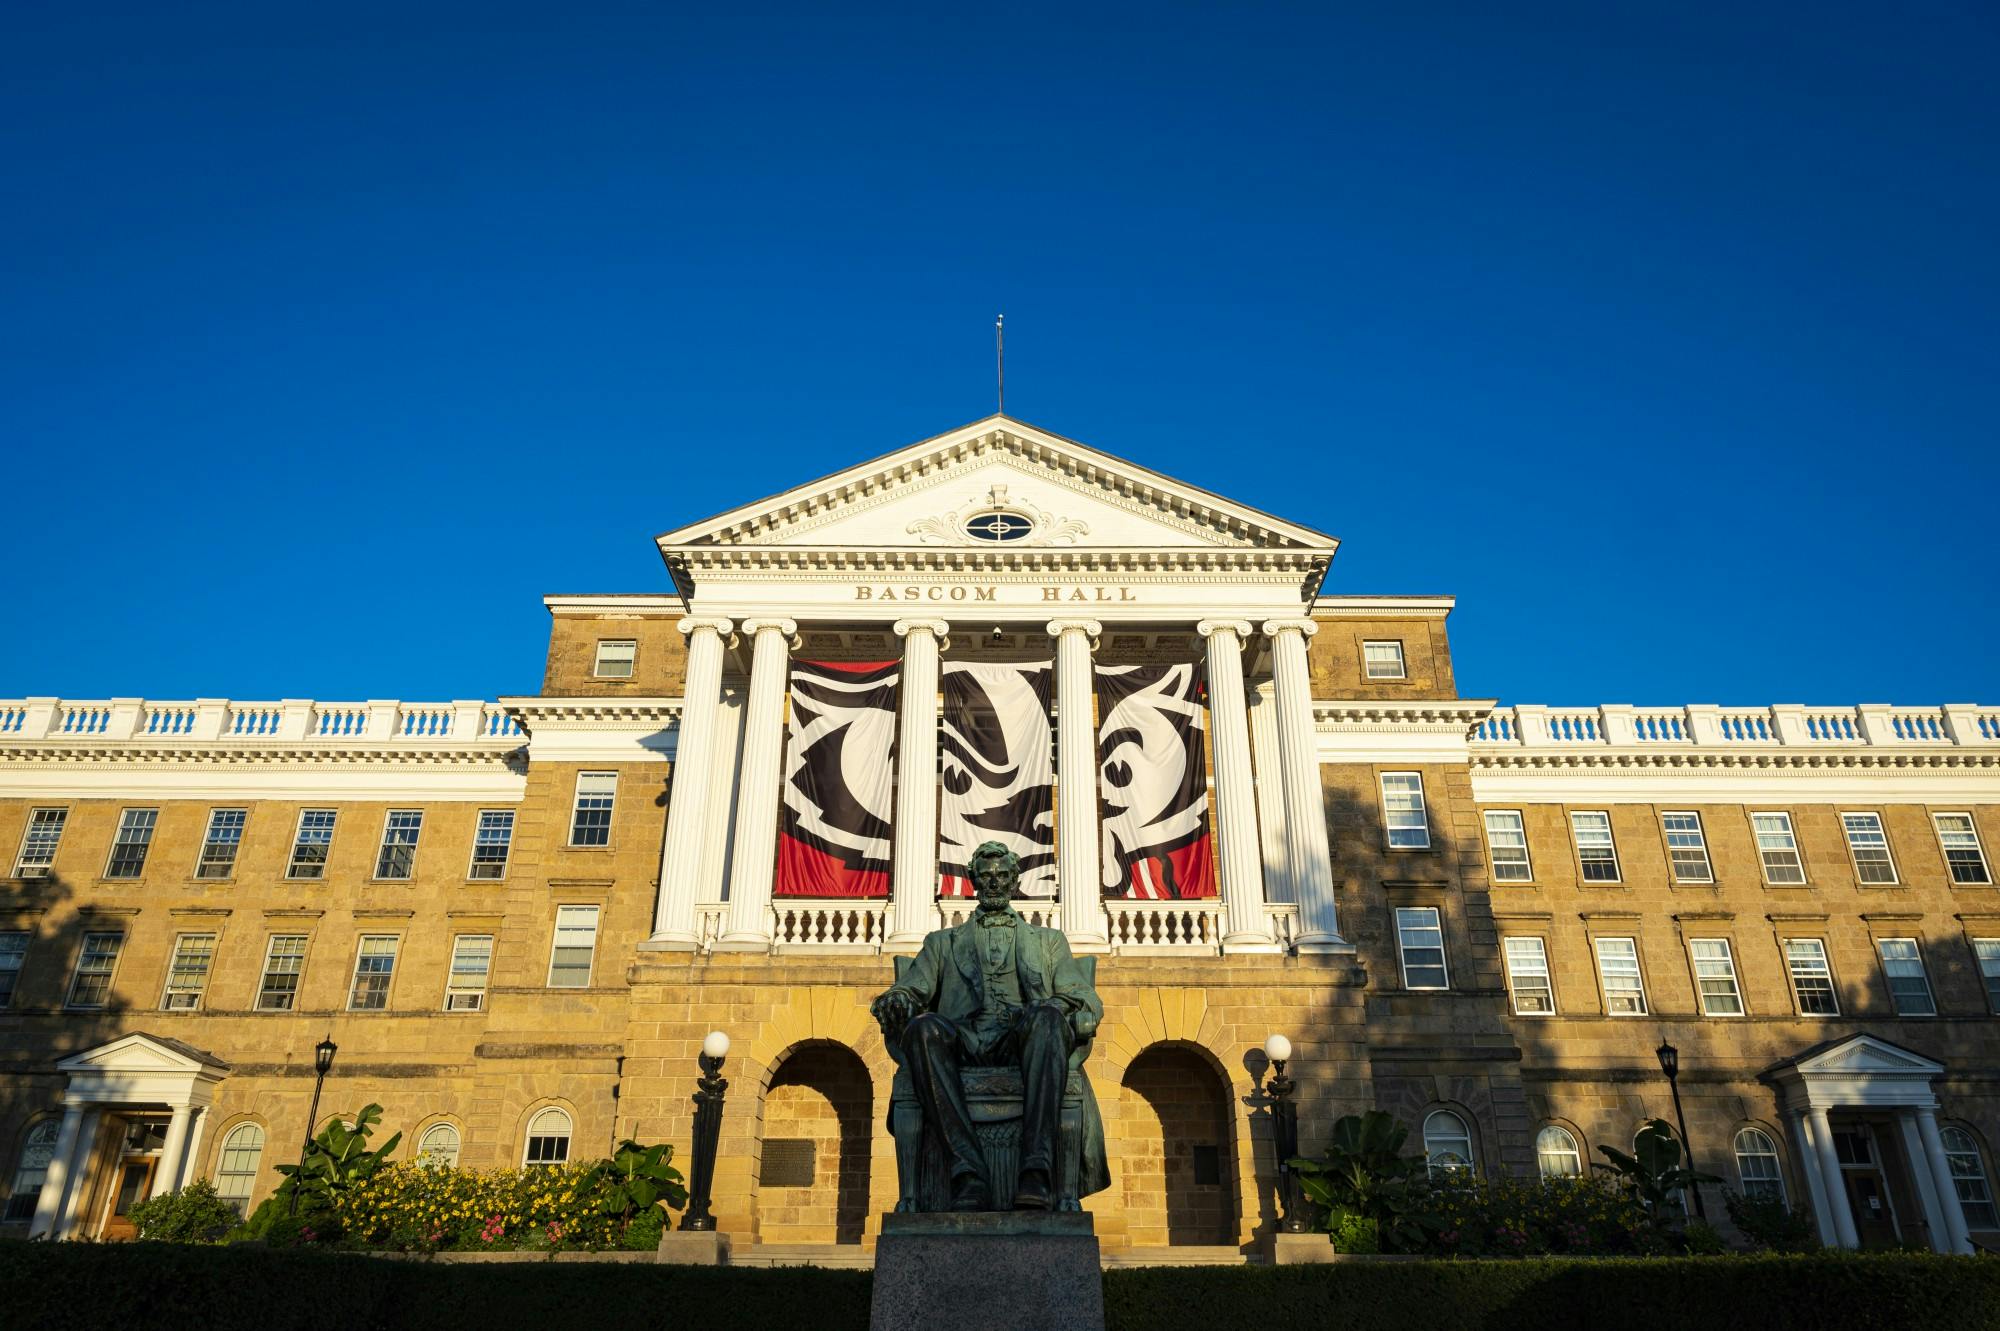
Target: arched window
{"x": 37, "y": 1149}
{"x": 438, "y": 1146}
{"x": 1447, "y": 1144}
{"x": 1757, "y": 1166}
{"x": 236, "y": 1169}
{"x": 548, "y": 1138}
{"x": 1968, "y": 1175}
{"x": 1557, "y": 1154}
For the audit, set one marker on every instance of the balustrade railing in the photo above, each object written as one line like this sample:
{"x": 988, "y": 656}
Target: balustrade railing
{"x": 1785, "y": 725}
{"x": 829, "y": 925}
{"x": 226, "y": 720}
{"x": 1164, "y": 926}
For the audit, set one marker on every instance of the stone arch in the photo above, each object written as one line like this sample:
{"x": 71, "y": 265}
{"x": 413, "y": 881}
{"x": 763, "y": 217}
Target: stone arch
{"x": 1174, "y": 1169}
{"x": 818, "y": 1109}
{"x": 519, "y": 1150}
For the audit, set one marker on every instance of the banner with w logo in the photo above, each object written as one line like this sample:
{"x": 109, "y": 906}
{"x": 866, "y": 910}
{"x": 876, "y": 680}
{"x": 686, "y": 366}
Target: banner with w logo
{"x": 838, "y": 798}
{"x": 998, "y": 774}
{"x": 1153, "y": 782}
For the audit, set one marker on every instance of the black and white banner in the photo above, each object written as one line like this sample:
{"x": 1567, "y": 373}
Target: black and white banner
{"x": 838, "y": 798}
{"x": 1153, "y": 782}
{"x": 997, "y": 772}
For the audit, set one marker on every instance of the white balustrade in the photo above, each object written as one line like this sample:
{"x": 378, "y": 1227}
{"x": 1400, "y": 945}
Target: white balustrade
{"x": 708, "y": 921}
{"x": 251, "y": 720}
{"x": 1703, "y": 726}
{"x": 1498, "y": 727}
{"x": 827, "y": 925}
{"x": 200, "y": 720}
{"x": 1284, "y": 922}
{"x": 1165, "y": 926}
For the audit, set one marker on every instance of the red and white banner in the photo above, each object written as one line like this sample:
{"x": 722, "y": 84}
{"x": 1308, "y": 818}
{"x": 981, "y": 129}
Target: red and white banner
{"x": 997, "y": 772}
{"x": 838, "y": 797}
{"x": 1153, "y": 782}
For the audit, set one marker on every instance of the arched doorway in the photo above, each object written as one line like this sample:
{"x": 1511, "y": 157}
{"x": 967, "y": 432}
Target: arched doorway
{"x": 1175, "y": 1169}
{"x": 812, "y": 1165}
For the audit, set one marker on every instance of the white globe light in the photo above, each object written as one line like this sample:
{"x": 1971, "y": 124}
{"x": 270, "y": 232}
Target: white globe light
{"x": 1277, "y": 1049}
{"x": 716, "y": 1045}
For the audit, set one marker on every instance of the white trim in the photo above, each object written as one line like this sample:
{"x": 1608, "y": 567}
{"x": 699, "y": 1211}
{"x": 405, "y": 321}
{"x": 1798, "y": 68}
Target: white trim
{"x": 1610, "y": 843}
{"x": 1853, "y": 859}
{"x": 1402, "y": 952}
{"x": 1701, "y": 835}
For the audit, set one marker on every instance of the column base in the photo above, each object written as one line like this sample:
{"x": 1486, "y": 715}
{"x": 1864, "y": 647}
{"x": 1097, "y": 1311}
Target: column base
{"x": 748, "y": 943}
{"x": 671, "y": 943}
{"x": 1251, "y": 945}
{"x": 1090, "y": 947}
{"x": 1332, "y": 945}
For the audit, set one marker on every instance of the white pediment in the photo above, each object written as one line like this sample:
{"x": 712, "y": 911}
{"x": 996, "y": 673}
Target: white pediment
{"x": 135, "y": 1053}
{"x": 1864, "y": 1054}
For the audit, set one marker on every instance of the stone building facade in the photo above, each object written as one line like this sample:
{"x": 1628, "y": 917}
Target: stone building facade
{"x": 518, "y": 919}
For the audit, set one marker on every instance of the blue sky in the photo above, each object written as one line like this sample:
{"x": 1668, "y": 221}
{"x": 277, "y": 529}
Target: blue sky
{"x": 1663, "y": 336}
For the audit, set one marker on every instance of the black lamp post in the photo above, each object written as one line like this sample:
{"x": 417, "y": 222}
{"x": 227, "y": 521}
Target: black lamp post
{"x": 323, "y": 1053}
{"x": 1284, "y": 1130}
{"x": 1670, "y": 1063}
{"x": 707, "y": 1131}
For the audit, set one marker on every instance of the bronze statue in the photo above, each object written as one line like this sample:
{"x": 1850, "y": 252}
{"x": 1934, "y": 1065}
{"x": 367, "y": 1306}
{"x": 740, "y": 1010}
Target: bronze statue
{"x": 990, "y": 1023}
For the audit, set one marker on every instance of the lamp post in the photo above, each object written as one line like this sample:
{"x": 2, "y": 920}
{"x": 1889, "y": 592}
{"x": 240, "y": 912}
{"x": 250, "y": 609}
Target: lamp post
{"x": 1284, "y": 1130}
{"x": 323, "y": 1053}
{"x": 1670, "y": 1063}
{"x": 707, "y": 1130}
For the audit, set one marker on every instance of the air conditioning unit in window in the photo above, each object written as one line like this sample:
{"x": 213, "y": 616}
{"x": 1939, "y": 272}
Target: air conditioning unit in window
{"x": 463, "y": 1002}
{"x": 182, "y": 1002}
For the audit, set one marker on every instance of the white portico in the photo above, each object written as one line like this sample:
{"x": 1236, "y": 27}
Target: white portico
{"x": 997, "y": 538}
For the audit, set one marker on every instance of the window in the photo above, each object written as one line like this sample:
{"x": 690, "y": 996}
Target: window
{"x": 236, "y": 1167}
{"x": 135, "y": 838}
{"x": 1812, "y": 978}
{"x": 187, "y": 973}
{"x": 576, "y": 939}
{"x": 548, "y": 1138}
{"x": 374, "y": 967}
{"x": 399, "y": 843}
{"x": 1986, "y": 951}
{"x": 1447, "y": 1144}
{"x": 1507, "y": 843}
{"x": 590, "y": 825}
{"x": 1420, "y": 940}
{"x": 1968, "y": 1176}
{"x": 1909, "y": 986}
{"x": 284, "y": 962}
{"x": 438, "y": 1146}
{"x": 1687, "y": 848}
{"x": 13, "y": 951}
{"x": 1595, "y": 852}
{"x": 39, "y": 842}
{"x": 309, "y": 849}
{"x": 1557, "y": 1154}
{"x": 1715, "y": 977}
{"x": 614, "y": 658}
{"x": 91, "y": 985}
{"x": 1618, "y": 967}
{"x": 471, "y": 960}
{"x": 1383, "y": 660}
{"x": 1778, "y": 848}
{"x": 491, "y": 843}
{"x": 1757, "y": 1166}
{"x": 1869, "y": 848}
{"x": 1962, "y": 853}
{"x": 37, "y": 1149}
{"x": 1403, "y": 811}
{"x": 219, "y": 843}
{"x": 1528, "y": 977}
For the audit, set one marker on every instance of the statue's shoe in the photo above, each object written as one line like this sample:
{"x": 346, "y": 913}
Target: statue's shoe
{"x": 970, "y": 1193}
{"x": 1033, "y": 1192}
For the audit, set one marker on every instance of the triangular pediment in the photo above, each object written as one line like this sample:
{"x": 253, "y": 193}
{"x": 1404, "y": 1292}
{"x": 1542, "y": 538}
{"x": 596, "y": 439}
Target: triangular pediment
{"x": 1867, "y": 1054}
{"x": 998, "y": 485}
{"x": 141, "y": 1053}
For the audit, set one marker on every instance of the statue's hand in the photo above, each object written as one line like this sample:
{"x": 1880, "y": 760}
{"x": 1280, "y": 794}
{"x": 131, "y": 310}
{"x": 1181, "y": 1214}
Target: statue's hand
{"x": 893, "y": 1010}
{"x": 1084, "y": 1022}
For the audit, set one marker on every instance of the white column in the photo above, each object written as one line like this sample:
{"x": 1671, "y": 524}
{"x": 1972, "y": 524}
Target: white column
{"x": 167, "y": 1173}
{"x": 191, "y": 1161}
{"x": 687, "y": 810}
{"x": 69, "y": 1219}
{"x": 1246, "y": 926}
{"x": 48, "y": 1205}
{"x": 1807, "y": 1156}
{"x": 1920, "y": 1176}
{"x": 1836, "y": 1186}
{"x": 1078, "y": 876}
{"x": 1940, "y": 1165}
{"x": 1305, "y": 806}
{"x": 913, "y": 890}
{"x": 756, "y": 854}
{"x": 1270, "y": 793}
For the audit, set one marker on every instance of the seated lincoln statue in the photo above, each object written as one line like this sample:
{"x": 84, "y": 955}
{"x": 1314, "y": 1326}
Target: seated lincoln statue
{"x": 990, "y": 1023}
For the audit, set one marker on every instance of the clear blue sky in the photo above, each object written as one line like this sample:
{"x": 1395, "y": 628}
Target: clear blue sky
{"x": 1664, "y": 336}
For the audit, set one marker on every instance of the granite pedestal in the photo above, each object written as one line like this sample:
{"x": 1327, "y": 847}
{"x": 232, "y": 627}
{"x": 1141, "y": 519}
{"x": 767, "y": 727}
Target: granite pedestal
{"x": 988, "y": 1271}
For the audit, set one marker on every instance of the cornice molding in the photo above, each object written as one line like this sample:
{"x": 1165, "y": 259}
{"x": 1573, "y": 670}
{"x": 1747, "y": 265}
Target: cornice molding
{"x": 1457, "y": 717}
{"x": 1655, "y": 762}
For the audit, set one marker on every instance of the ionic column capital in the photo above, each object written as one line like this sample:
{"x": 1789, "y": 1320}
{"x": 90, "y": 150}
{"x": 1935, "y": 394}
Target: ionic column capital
{"x": 788, "y": 627}
{"x": 1090, "y": 628}
{"x": 1302, "y": 626}
{"x": 937, "y": 628}
{"x": 693, "y": 622}
{"x": 1208, "y": 628}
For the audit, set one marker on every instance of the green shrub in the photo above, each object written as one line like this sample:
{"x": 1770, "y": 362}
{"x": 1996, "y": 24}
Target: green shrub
{"x": 1511, "y": 1217}
{"x": 1365, "y": 1174}
{"x": 194, "y": 1214}
{"x": 1353, "y": 1233}
{"x": 1771, "y": 1225}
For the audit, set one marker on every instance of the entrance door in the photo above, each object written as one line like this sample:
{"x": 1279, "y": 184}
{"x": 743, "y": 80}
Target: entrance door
{"x": 1874, "y": 1221}
{"x": 135, "y": 1181}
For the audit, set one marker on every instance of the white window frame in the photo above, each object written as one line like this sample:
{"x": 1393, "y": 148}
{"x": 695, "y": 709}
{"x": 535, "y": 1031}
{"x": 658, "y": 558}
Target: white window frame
{"x": 13, "y": 959}
{"x": 390, "y": 826}
{"x": 149, "y": 825}
{"x": 1848, "y": 819}
{"x": 1610, "y": 845}
{"x": 567, "y": 1137}
{"x": 1572, "y": 1152}
{"x": 40, "y": 868}
{"x": 1526, "y": 864}
{"x": 1824, "y": 972}
{"x": 1405, "y": 807}
{"x": 1971, "y": 833}
{"x": 1515, "y": 973}
{"x": 1638, "y": 974}
{"x": 480, "y": 838}
{"x": 1700, "y": 835}
{"x": 362, "y": 954}
{"x": 1404, "y": 947}
{"x": 1764, "y": 1148}
{"x": 39, "y": 1140}
{"x": 1922, "y": 973}
{"x": 1443, "y": 1168}
{"x": 454, "y": 989}
{"x": 193, "y": 988}
{"x": 232, "y": 1153}
{"x": 298, "y": 973}
{"x": 630, "y": 659}
{"x": 1986, "y": 959}
{"x": 1791, "y": 847}
{"x": 576, "y": 809}
{"x": 1717, "y": 968}
{"x": 1402, "y": 663}
{"x": 109, "y": 971}
{"x": 429, "y": 1154}
{"x": 1975, "y": 1202}
{"x": 556, "y": 942}
{"x": 293, "y": 864}
{"x": 205, "y": 858}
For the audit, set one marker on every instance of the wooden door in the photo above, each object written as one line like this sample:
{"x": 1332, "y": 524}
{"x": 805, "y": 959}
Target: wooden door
{"x": 135, "y": 1182}
{"x": 1874, "y": 1221}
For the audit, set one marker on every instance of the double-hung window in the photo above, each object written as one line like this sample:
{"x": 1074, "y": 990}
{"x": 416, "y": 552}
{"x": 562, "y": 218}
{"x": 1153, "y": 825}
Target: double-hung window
{"x": 1596, "y": 853}
{"x": 284, "y": 964}
{"x": 491, "y": 844}
{"x": 1687, "y": 848}
{"x": 311, "y": 845}
{"x": 135, "y": 838}
{"x": 1507, "y": 844}
{"x": 1909, "y": 983}
{"x": 1986, "y": 951}
{"x": 39, "y": 842}
{"x": 400, "y": 831}
{"x": 471, "y": 962}
{"x": 1963, "y": 854}
{"x": 575, "y": 942}
{"x": 1403, "y": 811}
{"x": 590, "y": 823}
{"x": 1383, "y": 660}
{"x": 374, "y": 968}
{"x": 615, "y": 657}
{"x": 1618, "y": 969}
{"x": 90, "y": 987}
{"x": 1420, "y": 941}
{"x": 1715, "y": 977}
{"x": 13, "y": 951}
{"x": 220, "y": 843}
{"x": 187, "y": 973}
{"x": 1868, "y": 846}
{"x": 1528, "y": 977}
{"x": 1812, "y": 977}
{"x": 1778, "y": 849}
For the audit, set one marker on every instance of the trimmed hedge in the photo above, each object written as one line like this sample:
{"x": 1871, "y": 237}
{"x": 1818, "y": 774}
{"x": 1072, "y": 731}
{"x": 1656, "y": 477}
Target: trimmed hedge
{"x": 141, "y": 1286}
